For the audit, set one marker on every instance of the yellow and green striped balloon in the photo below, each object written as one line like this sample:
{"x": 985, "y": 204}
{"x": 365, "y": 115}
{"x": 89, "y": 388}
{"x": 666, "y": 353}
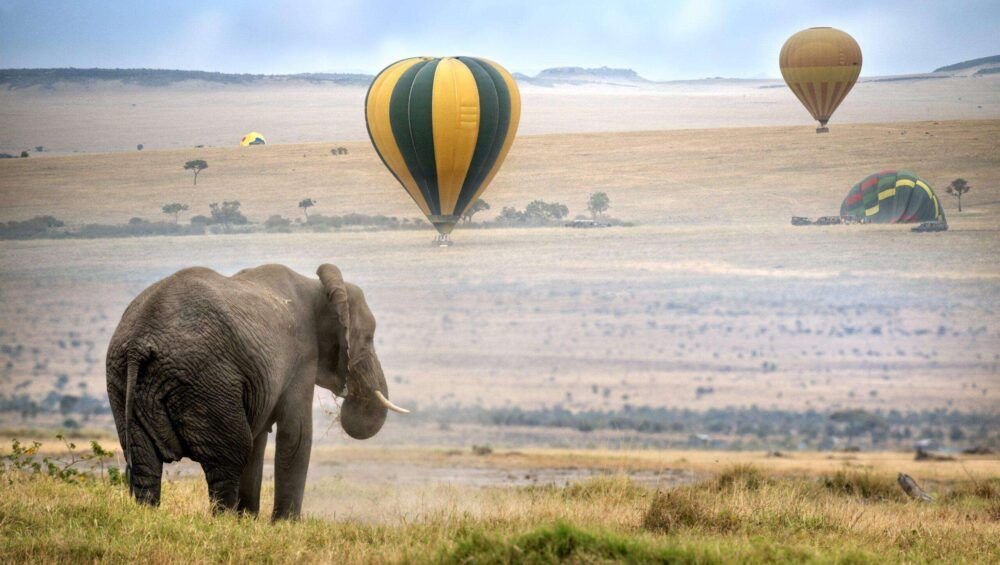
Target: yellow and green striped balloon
{"x": 443, "y": 127}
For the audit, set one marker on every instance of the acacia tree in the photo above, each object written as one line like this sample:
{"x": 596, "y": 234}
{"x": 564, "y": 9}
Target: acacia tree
{"x": 479, "y": 205}
{"x": 196, "y": 165}
{"x": 598, "y": 204}
{"x": 306, "y": 204}
{"x": 175, "y": 208}
{"x": 957, "y": 188}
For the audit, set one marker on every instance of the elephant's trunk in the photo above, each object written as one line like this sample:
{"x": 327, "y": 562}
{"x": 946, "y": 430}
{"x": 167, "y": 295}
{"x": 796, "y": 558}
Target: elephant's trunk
{"x": 362, "y": 414}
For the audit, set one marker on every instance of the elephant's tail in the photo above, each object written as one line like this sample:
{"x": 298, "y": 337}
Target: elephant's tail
{"x": 135, "y": 361}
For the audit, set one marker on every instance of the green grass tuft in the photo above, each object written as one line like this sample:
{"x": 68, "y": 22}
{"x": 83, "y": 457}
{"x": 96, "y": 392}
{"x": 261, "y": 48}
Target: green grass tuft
{"x": 565, "y": 543}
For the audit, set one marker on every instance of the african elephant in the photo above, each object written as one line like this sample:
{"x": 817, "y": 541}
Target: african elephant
{"x": 202, "y": 366}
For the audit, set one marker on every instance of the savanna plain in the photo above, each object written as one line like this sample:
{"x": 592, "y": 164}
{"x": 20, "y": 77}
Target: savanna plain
{"x": 528, "y": 354}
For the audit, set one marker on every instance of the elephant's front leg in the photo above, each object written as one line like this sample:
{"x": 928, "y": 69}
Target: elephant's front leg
{"x": 250, "y": 479}
{"x": 291, "y": 458}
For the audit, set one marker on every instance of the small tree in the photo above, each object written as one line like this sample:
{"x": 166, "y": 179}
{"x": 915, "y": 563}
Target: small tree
{"x": 957, "y": 188}
{"x": 196, "y": 165}
{"x": 24, "y": 154}
{"x": 175, "y": 208}
{"x": 306, "y": 204}
{"x": 479, "y": 205}
{"x": 598, "y": 204}
{"x": 227, "y": 213}
{"x": 139, "y": 147}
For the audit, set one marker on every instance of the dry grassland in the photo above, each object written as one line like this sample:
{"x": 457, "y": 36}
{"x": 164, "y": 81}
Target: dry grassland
{"x": 712, "y": 289}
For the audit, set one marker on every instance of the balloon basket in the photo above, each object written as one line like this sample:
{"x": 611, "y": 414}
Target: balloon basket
{"x": 442, "y": 240}
{"x": 822, "y": 129}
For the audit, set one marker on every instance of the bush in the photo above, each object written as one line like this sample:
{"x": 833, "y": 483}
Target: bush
{"x": 741, "y": 476}
{"x": 319, "y": 222}
{"x": 683, "y": 508}
{"x": 617, "y": 487}
{"x": 137, "y": 228}
{"x": 278, "y": 224}
{"x": 987, "y": 489}
{"x": 35, "y": 227}
{"x": 22, "y": 461}
{"x": 862, "y": 484}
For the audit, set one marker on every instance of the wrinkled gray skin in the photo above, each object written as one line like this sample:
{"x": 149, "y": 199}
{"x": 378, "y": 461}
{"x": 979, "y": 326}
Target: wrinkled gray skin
{"x": 203, "y": 365}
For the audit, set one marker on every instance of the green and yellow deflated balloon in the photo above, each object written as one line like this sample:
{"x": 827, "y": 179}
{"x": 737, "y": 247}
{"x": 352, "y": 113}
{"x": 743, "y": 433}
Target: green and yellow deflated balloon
{"x": 443, "y": 127}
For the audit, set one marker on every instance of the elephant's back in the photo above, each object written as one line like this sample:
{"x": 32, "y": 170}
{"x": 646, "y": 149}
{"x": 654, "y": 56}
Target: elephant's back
{"x": 195, "y": 315}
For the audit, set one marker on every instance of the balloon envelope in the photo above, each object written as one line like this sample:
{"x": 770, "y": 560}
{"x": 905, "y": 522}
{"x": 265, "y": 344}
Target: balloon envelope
{"x": 820, "y": 65}
{"x": 253, "y": 138}
{"x": 891, "y": 197}
{"x": 443, "y": 127}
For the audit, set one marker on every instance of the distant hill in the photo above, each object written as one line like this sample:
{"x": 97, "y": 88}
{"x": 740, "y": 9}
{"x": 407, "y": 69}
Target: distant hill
{"x": 48, "y": 78}
{"x": 24, "y": 78}
{"x": 973, "y": 63}
{"x": 582, "y": 75}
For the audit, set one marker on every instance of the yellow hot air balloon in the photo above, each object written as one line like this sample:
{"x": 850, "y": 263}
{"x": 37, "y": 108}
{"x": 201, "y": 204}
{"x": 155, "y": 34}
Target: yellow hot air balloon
{"x": 253, "y": 138}
{"x": 443, "y": 127}
{"x": 821, "y": 65}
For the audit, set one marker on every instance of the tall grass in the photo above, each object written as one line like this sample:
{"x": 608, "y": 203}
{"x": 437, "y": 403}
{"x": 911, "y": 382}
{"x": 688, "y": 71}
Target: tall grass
{"x": 742, "y": 515}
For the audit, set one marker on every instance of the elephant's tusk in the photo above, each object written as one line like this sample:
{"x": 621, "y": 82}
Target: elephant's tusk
{"x": 385, "y": 402}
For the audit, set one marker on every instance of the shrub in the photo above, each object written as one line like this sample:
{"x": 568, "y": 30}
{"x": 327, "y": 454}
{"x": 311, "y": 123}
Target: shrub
{"x": 617, "y": 487}
{"x": 682, "y": 507}
{"x": 35, "y": 227}
{"x": 740, "y": 476}
{"x": 862, "y": 484}
{"x": 277, "y": 223}
{"x": 987, "y": 489}
{"x": 137, "y": 227}
{"x": 22, "y": 461}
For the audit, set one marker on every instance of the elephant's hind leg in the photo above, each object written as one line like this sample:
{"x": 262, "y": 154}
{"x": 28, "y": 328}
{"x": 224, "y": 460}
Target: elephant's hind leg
{"x": 223, "y": 486}
{"x": 210, "y": 421}
{"x": 249, "y": 501}
{"x": 145, "y": 470}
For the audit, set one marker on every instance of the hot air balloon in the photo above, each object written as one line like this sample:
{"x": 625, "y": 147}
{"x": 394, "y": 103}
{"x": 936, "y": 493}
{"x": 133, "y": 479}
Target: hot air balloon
{"x": 891, "y": 197}
{"x": 253, "y": 138}
{"x": 820, "y": 65}
{"x": 443, "y": 127}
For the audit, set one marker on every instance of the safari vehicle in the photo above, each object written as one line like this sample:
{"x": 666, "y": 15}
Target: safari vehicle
{"x": 585, "y": 223}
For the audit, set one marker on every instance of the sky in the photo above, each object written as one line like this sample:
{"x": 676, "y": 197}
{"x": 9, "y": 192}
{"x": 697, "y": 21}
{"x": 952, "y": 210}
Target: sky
{"x": 662, "y": 40}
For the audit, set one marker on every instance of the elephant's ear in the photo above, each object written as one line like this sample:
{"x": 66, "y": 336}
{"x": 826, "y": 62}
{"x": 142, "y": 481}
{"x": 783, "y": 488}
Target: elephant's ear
{"x": 336, "y": 293}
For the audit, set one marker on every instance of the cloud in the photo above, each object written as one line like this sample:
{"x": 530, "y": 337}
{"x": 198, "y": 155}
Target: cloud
{"x": 661, "y": 39}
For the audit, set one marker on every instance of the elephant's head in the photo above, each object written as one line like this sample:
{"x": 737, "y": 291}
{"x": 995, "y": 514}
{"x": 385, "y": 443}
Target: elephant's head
{"x": 354, "y": 369}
